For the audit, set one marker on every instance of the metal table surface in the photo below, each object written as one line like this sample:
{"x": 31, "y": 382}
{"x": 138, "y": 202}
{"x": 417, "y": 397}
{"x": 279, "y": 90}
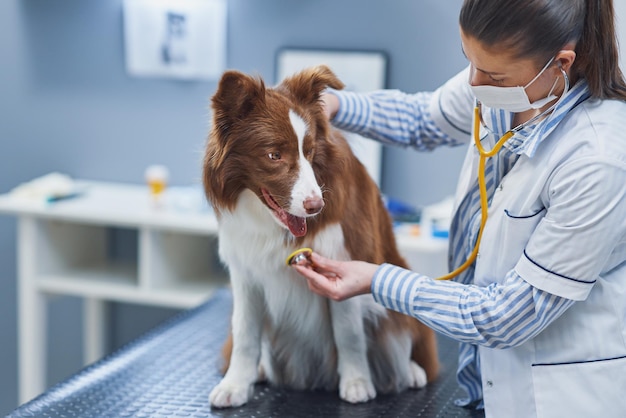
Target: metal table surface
{"x": 169, "y": 372}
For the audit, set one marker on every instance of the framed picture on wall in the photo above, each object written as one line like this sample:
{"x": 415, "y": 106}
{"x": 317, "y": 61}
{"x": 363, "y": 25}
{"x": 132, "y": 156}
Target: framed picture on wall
{"x": 175, "y": 39}
{"x": 360, "y": 71}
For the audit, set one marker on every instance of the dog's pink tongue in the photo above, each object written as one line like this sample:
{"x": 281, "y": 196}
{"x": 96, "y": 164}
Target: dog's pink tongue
{"x": 296, "y": 225}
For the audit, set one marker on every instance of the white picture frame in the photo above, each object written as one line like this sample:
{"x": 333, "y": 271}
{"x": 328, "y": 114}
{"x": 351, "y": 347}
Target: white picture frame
{"x": 360, "y": 71}
{"x": 181, "y": 39}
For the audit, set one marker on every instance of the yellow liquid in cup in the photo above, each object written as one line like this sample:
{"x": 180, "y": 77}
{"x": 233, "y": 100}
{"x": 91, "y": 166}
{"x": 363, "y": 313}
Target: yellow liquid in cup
{"x": 157, "y": 187}
{"x": 156, "y": 177}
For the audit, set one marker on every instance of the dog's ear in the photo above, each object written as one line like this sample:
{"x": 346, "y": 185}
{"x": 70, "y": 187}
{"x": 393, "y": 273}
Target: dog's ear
{"x": 237, "y": 94}
{"x": 307, "y": 85}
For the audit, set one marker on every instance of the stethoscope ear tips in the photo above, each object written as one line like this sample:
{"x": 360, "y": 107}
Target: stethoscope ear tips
{"x": 301, "y": 257}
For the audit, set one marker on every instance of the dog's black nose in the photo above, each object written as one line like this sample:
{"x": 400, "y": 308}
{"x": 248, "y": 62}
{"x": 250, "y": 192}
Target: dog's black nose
{"x": 313, "y": 205}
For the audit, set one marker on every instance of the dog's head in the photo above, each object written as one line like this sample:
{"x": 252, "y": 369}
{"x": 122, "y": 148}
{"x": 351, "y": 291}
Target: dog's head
{"x": 270, "y": 141}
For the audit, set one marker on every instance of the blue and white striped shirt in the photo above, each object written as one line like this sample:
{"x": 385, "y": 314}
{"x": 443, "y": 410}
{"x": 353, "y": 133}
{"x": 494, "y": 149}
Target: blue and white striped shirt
{"x": 500, "y": 315}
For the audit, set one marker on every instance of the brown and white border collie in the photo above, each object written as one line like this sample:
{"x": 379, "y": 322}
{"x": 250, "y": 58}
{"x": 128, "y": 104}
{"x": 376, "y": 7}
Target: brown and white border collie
{"x": 280, "y": 178}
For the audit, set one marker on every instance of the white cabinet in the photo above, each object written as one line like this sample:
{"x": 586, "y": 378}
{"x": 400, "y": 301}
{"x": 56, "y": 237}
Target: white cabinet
{"x": 168, "y": 268}
{"x": 70, "y": 246}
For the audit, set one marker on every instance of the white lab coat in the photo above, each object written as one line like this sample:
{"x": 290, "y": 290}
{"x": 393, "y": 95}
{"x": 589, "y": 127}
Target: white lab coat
{"x": 575, "y": 249}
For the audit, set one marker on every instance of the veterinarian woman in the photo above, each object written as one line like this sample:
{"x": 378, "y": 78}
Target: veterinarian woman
{"x": 541, "y": 312}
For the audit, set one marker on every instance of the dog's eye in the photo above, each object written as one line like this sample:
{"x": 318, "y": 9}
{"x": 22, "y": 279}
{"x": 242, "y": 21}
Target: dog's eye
{"x": 274, "y": 155}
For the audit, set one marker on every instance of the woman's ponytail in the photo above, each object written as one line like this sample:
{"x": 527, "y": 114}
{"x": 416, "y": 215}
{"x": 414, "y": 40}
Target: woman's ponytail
{"x": 597, "y": 52}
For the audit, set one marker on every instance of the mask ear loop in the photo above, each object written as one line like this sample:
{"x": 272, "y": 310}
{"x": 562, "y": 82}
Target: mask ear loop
{"x": 540, "y": 72}
{"x": 534, "y": 119}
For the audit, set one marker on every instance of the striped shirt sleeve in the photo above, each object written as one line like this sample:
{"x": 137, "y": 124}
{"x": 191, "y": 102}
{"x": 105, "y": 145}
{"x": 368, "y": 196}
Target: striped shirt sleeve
{"x": 497, "y": 316}
{"x": 391, "y": 117}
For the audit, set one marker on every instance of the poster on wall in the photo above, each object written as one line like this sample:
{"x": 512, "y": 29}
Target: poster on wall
{"x": 360, "y": 71}
{"x": 183, "y": 39}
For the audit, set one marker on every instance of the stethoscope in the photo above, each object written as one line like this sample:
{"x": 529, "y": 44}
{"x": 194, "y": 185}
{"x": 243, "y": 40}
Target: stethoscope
{"x": 483, "y": 155}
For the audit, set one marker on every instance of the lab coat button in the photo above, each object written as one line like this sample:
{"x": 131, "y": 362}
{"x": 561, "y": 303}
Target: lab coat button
{"x": 489, "y": 383}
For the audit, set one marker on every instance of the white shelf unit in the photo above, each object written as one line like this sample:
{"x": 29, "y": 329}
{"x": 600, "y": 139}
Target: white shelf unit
{"x": 171, "y": 268}
{"x": 70, "y": 248}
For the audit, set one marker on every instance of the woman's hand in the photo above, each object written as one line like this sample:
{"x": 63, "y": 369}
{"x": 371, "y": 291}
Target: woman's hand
{"x": 337, "y": 280}
{"x": 330, "y": 103}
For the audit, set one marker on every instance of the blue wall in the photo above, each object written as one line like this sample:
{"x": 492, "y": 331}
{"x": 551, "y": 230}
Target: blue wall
{"x": 66, "y": 104}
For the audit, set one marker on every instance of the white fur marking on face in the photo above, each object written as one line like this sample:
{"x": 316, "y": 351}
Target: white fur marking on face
{"x": 306, "y": 185}
{"x": 299, "y": 127}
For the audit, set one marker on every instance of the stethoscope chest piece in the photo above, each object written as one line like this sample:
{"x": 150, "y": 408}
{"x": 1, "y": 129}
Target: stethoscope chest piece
{"x": 300, "y": 257}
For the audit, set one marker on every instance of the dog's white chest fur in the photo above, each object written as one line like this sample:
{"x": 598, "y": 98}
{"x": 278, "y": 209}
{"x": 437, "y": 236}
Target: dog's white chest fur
{"x": 298, "y": 346}
{"x": 254, "y": 248}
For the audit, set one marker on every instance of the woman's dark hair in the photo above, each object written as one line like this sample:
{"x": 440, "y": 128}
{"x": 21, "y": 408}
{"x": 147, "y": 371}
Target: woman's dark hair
{"x": 538, "y": 29}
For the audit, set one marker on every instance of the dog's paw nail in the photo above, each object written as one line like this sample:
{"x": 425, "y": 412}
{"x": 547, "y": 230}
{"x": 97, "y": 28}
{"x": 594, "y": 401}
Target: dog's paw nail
{"x": 417, "y": 376}
{"x": 357, "y": 390}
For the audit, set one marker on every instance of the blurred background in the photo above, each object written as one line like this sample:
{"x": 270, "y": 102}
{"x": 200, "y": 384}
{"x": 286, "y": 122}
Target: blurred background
{"x": 68, "y": 104}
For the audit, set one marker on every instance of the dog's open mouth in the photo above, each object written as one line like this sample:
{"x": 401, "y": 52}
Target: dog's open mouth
{"x": 295, "y": 224}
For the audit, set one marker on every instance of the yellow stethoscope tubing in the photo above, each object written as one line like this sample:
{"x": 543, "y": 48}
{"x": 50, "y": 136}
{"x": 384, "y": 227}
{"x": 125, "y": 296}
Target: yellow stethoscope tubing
{"x": 482, "y": 187}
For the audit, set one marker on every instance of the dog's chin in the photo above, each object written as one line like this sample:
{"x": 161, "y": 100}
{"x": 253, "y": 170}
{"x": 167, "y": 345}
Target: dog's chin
{"x": 295, "y": 224}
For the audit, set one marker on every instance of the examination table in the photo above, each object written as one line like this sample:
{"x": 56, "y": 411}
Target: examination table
{"x": 170, "y": 371}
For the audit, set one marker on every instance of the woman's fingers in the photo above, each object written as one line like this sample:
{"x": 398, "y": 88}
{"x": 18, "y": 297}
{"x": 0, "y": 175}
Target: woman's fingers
{"x": 321, "y": 283}
{"x": 337, "y": 280}
{"x": 321, "y": 263}
{"x": 332, "y": 269}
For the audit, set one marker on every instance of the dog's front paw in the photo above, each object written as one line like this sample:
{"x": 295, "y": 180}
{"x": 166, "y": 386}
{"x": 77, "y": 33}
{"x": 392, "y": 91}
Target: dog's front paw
{"x": 227, "y": 395}
{"x": 417, "y": 376}
{"x": 356, "y": 390}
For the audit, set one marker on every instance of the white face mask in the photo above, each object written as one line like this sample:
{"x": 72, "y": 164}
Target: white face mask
{"x": 512, "y": 99}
